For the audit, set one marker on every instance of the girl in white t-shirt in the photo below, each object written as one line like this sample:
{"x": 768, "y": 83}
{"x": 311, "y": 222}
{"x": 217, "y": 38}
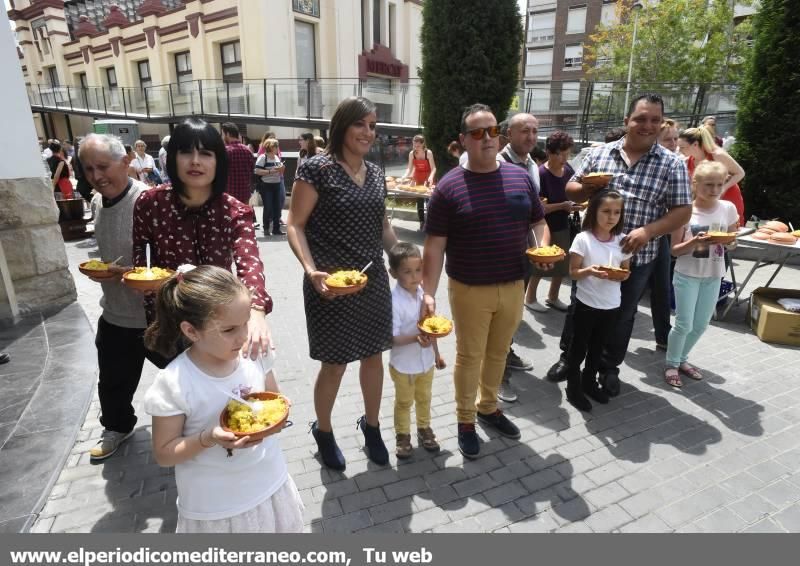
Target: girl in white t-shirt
{"x": 225, "y": 485}
{"x": 698, "y": 269}
{"x": 597, "y": 299}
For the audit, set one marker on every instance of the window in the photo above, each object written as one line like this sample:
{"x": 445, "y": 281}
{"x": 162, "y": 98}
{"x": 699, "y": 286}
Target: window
{"x": 608, "y": 14}
{"x": 539, "y": 63}
{"x": 542, "y": 27}
{"x": 537, "y": 97}
{"x": 570, "y": 93}
{"x": 307, "y": 7}
{"x": 183, "y": 72}
{"x": 573, "y": 57}
{"x": 231, "y": 62}
{"x": 392, "y": 25}
{"x": 305, "y": 57}
{"x": 83, "y": 80}
{"x": 111, "y": 76}
{"x": 376, "y": 21}
{"x": 40, "y": 36}
{"x": 145, "y": 80}
{"x": 52, "y": 76}
{"x": 576, "y": 20}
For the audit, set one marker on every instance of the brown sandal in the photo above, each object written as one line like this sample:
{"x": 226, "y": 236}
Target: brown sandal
{"x": 690, "y": 371}
{"x": 403, "y": 448}
{"x": 427, "y": 439}
{"x": 673, "y": 377}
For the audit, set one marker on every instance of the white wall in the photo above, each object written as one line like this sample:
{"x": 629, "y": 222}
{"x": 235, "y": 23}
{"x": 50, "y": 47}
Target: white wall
{"x": 21, "y": 156}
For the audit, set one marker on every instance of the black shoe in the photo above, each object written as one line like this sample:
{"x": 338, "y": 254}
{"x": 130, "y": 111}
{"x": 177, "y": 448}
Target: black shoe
{"x": 279, "y": 233}
{"x": 558, "y": 371}
{"x": 376, "y": 449}
{"x": 468, "y": 443}
{"x": 329, "y": 451}
{"x": 513, "y": 361}
{"x": 4, "y": 358}
{"x": 595, "y": 392}
{"x": 578, "y": 400}
{"x": 500, "y": 423}
{"x": 610, "y": 383}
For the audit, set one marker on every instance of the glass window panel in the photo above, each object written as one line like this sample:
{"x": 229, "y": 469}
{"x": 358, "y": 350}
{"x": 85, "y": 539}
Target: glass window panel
{"x": 573, "y": 56}
{"x": 608, "y": 15}
{"x": 570, "y": 93}
{"x": 576, "y": 20}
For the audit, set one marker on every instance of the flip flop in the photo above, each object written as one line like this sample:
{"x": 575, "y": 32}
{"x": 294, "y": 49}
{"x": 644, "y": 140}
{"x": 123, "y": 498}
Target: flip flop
{"x": 690, "y": 371}
{"x": 4, "y": 358}
{"x": 673, "y": 377}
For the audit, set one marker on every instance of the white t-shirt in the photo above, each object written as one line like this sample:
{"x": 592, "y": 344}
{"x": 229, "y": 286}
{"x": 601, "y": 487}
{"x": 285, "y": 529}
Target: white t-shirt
{"x": 592, "y": 291}
{"x": 411, "y": 358}
{"x": 264, "y": 162}
{"x": 139, "y": 163}
{"x": 706, "y": 260}
{"x": 212, "y": 485}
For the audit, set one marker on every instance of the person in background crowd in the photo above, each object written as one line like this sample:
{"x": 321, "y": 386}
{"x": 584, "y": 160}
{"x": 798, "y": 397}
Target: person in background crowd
{"x": 539, "y": 155}
{"x": 479, "y": 217}
{"x": 240, "y": 163}
{"x": 696, "y": 145}
{"x": 47, "y": 153}
{"x": 710, "y": 123}
{"x": 614, "y": 134}
{"x": 320, "y": 141}
{"x": 120, "y": 328}
{"x": 270, "y": 168}
{"x": 308, "y": 147}
{"x": 132, "y": 173}
{"x": 338, "y": 219}
{"x": 657, "y": 201}
{"x": 454, "y": 148}
{"x": 271, "y": 136}
{"x": 69, "y": 150}
{"x": 142, "y": 162}
{"x": 59, "y": 172}
{"x": 162, "y": 159}
{"x": 83, "y": 187}
{"x": 669, "y": 135}
{"x": 422, "y": 170}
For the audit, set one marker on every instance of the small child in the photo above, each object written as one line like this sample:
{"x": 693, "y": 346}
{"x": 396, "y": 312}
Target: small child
{"x": 251, "y": 491}
{"x": 698, "y": 269}
{"x": 413, "y": 355}
{"x": 598, "y": 299}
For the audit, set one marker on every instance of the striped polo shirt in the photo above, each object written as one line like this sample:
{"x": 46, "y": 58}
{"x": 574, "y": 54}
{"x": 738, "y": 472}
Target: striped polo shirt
{"x": 485, "y": 218}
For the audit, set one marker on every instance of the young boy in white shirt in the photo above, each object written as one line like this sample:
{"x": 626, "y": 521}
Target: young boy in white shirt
{"x": 413, "y": 354}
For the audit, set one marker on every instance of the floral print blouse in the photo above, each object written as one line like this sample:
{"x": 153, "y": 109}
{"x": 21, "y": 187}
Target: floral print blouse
{"x": 218, "y": 233}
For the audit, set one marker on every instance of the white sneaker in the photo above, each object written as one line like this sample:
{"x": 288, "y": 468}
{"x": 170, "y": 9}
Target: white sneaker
{"x": 109, "y": 443}
{"x": 536, "y": 306}
{"x": 506, "y": 393}
{"x": 558, "y": 305}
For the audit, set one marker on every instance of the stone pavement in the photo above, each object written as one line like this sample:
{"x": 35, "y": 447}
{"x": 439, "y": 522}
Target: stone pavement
{"x": 719, "y": 455}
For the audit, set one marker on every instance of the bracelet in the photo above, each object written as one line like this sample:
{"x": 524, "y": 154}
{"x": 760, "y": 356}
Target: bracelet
{"x": 200, "y": 439}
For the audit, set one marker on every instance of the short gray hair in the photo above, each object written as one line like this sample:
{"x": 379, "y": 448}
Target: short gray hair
{"x": 165, "y": 142}
{"x": 112, "y": 144}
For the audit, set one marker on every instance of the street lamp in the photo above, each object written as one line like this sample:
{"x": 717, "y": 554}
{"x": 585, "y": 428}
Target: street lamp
{"x": 636, "y": 8}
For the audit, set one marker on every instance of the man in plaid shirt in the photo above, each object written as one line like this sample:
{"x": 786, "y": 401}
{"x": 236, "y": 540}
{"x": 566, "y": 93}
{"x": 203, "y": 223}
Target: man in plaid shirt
{"x": 241, "y": 163}
{"x": 655, "y": 185}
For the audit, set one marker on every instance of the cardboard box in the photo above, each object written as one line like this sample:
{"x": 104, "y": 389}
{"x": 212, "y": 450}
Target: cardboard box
{"x": 770, "y": 321}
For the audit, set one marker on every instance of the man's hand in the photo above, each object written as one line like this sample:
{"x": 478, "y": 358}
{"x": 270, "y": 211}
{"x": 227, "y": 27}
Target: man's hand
{"x": 428, "y": 307}
{"x": 635, "y": 240}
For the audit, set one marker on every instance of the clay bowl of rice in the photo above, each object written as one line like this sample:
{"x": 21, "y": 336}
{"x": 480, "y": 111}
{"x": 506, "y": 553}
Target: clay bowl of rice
{"x": 596, "y": 180}
{"x": 242, "y": 421}
{"x": 545, "y": 254}
{"x": 719, "y": 237}
{"x": 435, "y": 326}
{"x": 615, "y": 273}
{"x": 140, "y": 279}
{"x": 97, "y": 269}
{"x": 346, "y": 282}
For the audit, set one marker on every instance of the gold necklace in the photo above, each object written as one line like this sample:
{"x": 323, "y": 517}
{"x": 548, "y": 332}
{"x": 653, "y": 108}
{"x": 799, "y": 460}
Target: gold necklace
{"x": 359, "y": 177}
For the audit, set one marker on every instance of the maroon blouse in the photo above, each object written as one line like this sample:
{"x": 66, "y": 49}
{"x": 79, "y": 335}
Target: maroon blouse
{"x": 218, "y": 233}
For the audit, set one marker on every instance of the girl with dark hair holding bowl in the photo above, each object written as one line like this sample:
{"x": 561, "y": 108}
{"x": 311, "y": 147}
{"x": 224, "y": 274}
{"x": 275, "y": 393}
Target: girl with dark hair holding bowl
{"x": 196, "y": 222}
{"x": 337, "y": 220}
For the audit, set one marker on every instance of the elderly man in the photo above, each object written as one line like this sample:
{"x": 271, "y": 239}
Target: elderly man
{"x": 655, "y": 185}
{"x": 119, "y": 339}
{"x": 479, "y": 217}
{"x": 241, "y": 163}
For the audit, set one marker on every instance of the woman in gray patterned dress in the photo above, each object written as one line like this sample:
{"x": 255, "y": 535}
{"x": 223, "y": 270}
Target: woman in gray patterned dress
{"x": 337, "y": 220}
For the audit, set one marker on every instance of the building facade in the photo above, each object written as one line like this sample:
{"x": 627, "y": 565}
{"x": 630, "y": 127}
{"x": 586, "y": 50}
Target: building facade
{"x": 244, "y": 57}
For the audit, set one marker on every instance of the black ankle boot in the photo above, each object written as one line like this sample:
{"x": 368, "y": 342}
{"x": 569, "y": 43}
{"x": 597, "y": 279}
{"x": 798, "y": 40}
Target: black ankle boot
{"x": 376, "y": 449}
{"x": 329, "y": 451}
{"x": 578, "y": 400}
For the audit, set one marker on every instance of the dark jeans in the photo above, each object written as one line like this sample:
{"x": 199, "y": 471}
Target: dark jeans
{"x": 592, "y": 326}
{"x": 566, "y": 332}
{"x": 120, "y": 356}
{"x": 660, "y": 282}
{"x": 271, "y": 199}
{"x": 421, "y": 210}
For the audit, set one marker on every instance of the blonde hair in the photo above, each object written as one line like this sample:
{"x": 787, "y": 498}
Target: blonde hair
{"x": 701, "y": 136}
{"x": 707, "y": 168}
{"x": 269, "y": 144}
{"x": 668, "y": 123}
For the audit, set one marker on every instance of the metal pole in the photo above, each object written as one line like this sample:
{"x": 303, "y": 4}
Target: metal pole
{"x": 105, "y": 106}
{"x": 228, "y": 96}
{"x": 171, "y": 102}
{"x": 265, "y": 98}
{"x": 308, "y": 99}
{"x": 146, "y": 102}
{"x": 200, "y": 92}
{"x": 636, "y": 7}
{"x": 124, "y": 103}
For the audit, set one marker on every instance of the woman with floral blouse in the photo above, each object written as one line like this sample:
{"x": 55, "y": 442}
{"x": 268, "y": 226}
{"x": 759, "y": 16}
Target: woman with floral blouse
{"x": 194, "y": 221}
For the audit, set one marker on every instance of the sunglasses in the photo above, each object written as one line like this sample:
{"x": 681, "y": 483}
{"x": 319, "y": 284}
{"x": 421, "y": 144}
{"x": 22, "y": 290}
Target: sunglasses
{"x": 478, "y": 133}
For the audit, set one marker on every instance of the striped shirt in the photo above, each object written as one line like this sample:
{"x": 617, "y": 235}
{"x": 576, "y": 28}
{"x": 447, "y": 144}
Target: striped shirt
{"x": 485, "y": 218}
{"x": 652, "y": 186}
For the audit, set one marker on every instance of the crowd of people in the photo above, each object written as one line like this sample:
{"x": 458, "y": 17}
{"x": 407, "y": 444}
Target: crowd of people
{"x": 207, "y": 330}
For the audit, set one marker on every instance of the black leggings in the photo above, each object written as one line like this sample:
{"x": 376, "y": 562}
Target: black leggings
{"x": 590, "y": 328}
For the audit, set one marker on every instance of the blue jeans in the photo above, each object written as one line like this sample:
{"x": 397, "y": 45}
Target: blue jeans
{"x": 696, "y": 299}
{"x": 270, "y": 197}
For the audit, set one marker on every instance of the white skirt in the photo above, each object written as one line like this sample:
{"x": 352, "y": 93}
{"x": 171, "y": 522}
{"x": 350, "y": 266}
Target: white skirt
{"x": 280, "y": 513}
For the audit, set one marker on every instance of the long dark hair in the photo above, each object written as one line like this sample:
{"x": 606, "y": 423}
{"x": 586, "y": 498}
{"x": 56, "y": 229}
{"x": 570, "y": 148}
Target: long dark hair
{"x": 192, "y": 297}
{"x": 349, "y": 111}
{"x": 192, "y": 134}
{"x": 590, "y": 220}
{"x": 311, "y": 145}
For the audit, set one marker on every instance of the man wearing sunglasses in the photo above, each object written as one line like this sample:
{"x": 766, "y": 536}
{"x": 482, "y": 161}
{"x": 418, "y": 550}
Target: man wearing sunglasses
{"x": 479, "y": 217}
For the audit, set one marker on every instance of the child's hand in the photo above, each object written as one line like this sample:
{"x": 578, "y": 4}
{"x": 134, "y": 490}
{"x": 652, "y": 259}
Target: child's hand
{"x": 440, "y": 363}
{"x": 424, "y": 340}
{"x": 595, "y": 271}
{"x": 229, "y": 441}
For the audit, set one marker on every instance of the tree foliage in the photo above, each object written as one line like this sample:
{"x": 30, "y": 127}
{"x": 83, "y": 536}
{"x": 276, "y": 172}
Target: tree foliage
{"x": 687, "y": 42}
{"x": 470, "y": 53}
{"x": 768, "y": 120}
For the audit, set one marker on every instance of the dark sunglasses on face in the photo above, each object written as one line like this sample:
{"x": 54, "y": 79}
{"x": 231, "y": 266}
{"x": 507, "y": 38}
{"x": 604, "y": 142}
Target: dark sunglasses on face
{"x": 478, "y": 133}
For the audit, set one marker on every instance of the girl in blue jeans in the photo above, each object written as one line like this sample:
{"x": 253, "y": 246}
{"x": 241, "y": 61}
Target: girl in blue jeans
{"x": 698, "y": 269}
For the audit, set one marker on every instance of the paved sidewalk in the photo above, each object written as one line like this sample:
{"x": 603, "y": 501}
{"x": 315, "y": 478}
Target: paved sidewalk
{"x": 719, "y": 455}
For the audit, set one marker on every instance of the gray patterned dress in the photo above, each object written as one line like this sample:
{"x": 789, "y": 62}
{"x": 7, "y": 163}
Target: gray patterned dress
{"x": 345, "y": 231}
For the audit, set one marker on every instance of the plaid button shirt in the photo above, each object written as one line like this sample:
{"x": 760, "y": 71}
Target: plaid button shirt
{"x": 241, "y": 164}
{"x": 656, "y": 183}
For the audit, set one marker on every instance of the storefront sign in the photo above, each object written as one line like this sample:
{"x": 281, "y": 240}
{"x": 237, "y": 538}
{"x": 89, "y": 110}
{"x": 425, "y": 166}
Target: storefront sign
{"x": 380, "y": 62}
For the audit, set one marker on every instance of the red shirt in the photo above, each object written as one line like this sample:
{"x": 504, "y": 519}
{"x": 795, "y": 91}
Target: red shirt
{"x": 218, "y": 233}
{"x": 241, "y": 164}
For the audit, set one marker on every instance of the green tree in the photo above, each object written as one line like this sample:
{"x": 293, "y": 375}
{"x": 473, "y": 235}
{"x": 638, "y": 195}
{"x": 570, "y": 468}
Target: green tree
{"x": 470, "y": 53}
{"x": 687, "y": 42}
{"x": 768, "y": 119}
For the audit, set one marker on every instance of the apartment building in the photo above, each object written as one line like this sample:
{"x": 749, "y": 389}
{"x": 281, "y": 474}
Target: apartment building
{"x": 267, "y": 57}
